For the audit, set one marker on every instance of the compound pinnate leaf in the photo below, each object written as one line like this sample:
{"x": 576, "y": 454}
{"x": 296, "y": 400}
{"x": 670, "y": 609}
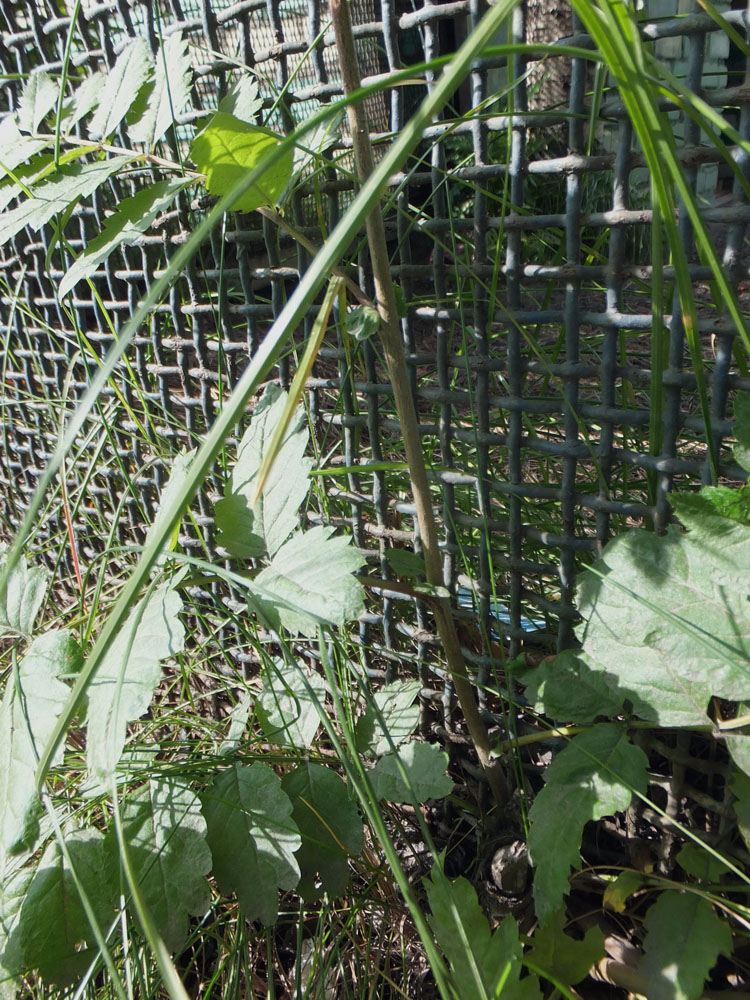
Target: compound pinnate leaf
{"x": 122, "y": 688}
{"x": 252, "y": 837}
{"x": 286, "y": 707}
{"x": 121, "y": 87}
{"x": 484, "y": 964}
{"x": 250, "y": 527}
{"x": 165, "y": 833}
{"x": 16, "y": 148}
{"x": 28, "y": 715}
{"x": 390, "y": 719}
{"x": 309, "y": 583}
{"x": 594, "y": 776}
{"x": 52, "y": 933}
{"x": 243, "y": 100}
{"x": 669, "y": 622}
{"x": 228, "y": 148}
{"x": 684, "y": 938}
{"x": 425, "y": 765}
{"x": 330, "y": 826}
{"x": 132, "y": 218}
{"x": 38, "y": 98}
{"x": 84, "y": 99}
{"x": 567, "y": 960}
{"x": 166, "y": 97}
{"x": 24, "y": 595}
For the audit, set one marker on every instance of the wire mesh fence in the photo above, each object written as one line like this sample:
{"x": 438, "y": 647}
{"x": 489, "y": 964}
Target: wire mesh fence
{"x": 521, "y": 242}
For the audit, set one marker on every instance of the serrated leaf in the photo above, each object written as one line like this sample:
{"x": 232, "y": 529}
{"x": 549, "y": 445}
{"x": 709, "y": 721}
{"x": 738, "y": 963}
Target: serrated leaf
{"x": 566, "y": 959}
{"x": 167, "y": 96}
{"x": 330, "y": 826}
{"x": 309, "y": 583}
{"x": 362, "y": 322}
{"x": 425, "y": 765}
{"x": 670, "y": 621}
{"x": 24, "y": 595}
{"x": 592, "y": 777}
{"x": 393, "y": 713}
{"x": 243, "y": 100}
{"x": 121, "y": 689}
{"x": 567, "y": 689}
{"x": 252, "y": 838}
{"x": 16, "y": 148}
{"x": 165, "y": 831}
{"x": 123, "y": 82}
{"x": 403, "y": 562}
{"x": 133, "y": 217}
{"x": 713, "y": 501}
{"x": 84, "y": 99}
{"x": 53, "y": 196}
{"x": 250, "y": 528}
{"x": 700, "y": 864}
{"x": 38, "y": 98}
{"x": 28, "y": 716}
{"x": 484, "y": 964}
{"x": 675, "y": 965}
{"x": 286, "y": 707}
{"x": 53, "y": 934}
{"x": 227, "y": 149}
{"x": 618, "y": 892}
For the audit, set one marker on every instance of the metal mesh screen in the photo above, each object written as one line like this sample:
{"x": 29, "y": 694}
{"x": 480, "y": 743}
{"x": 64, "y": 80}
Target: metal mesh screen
{"x": 520, "y": 239}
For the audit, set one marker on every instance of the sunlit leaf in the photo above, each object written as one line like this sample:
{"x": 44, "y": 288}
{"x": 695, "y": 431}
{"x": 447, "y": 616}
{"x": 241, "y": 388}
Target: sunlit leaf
{"x": 286, "y": 706}
{"x": 425, "y": 765}
{"x": 24, "y": 595}
{"x": 243, "y": 100}
{"x": 167, "y": 96}
{"x": 122, "y": 85}
{"x": 38, "y": 98}
{"x": 390, "y": 719}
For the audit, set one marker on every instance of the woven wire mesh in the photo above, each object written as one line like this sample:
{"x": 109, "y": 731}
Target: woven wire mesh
{"x": 520, "y": 238}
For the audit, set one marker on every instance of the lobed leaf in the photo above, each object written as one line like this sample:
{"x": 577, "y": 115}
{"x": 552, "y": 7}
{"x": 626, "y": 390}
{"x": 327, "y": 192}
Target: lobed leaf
{"x": 425, "y": 765}
{"x": 594, "y": 776}
{"x": 391, "y": 718}
{"x": 252, "y": 838}
{"x": 567, "y": 960}
{"x": 167, "y": 96}
{"x": 123, "y": 82}
{"x": 286, "y": 707}
{"x": 38, "y": 98}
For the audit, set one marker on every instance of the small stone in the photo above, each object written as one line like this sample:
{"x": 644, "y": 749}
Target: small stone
{"x": 510, "y": 868}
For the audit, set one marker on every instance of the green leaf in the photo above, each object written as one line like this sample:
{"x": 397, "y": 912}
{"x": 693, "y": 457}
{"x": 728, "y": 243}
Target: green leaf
{"x": 16, "y": 148}
{"x": 567, "y": 689}
{"x": 167, "y": 96}
{"x": 330, "y": 826}
{"x": 33, "y": 700}
{"x": 38, "y": 98}
{"x": 24, "y": 596}
{"x": 392, "y": 713}
{"x": 85, "y": 98}
{"x": 700, "y": 864}
{"x": 243, "y": 100}
{"x": 741, "y": 789}
{"x": 403, "y": 562}
{"x": 425, "y": 765}
{"x": 483, "y": 964}
{"x": 133, "y": 217}
{"x": 309, "y": 583}
{"x": 566, "y": 960}
{"x": 13, "y": 891}
{"x": 249, "y": 529}
{"x": 670, "y": 621}
{"x": 173, "y": 488}
{"x": 238, "y": 720}
{"x": 52, "y": 934}
{"x": 618, "y": 892}
{"x": 713, "y": 501}
{"x": 286, "y": 707}
{"x": 165, "y": 833}
{"x": 122, "y": 687}
{"x": 683, "y": 940}
{"x": 63, "y": 188}
{"x": 592, "y": 777}
{"x": 742, "y": 430}
{"x": 122, "y": 85}
{"x": 252, "y": 838}
{"x": 362, "y": 322}
{"x": 228, "y": 148}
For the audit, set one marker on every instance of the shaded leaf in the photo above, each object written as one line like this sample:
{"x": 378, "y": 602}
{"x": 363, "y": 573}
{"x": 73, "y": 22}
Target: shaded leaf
{"x": 121, "y": 689}
{"x": 286, "y": 707}
{"x": 53, "y": 934}
{"x": 309, "y": 583}
{"x": 53, "y": 196}
{"x": 592, "y": 777}
{"x": 227, "y": 149}
{"x": 713, "y": 501}
{"x": 566, "y": 959}
{"x": 330, "y": 826}
{"x": 483, "y": 964}
{"x": 619, "y": 892}
{"x": 133, "y": 217}
{"x": 38, "y": 98}
{"x": 363, "y": 322}
{"x": 166, "y": 836}
{"x": 390, "y": 719}
{"x": 741, "y": 789}
{"x": 425, "y": 765}
{"x": 567, "y": 689}
{"x": 675, "y": 965}
{"x": 243, "y": 100}
{"x": 167, "y": 96}
{"x": 24, "y": 595}
{"x": 742, "y": 430}
{"x": 123, "y": 82}
{"x": 13, "y": 891}
{"x": 403, "y": 562}
{"x": 252, "y": 838}
{"x": 700, "y": 864}
{"x": 28, "y": 715}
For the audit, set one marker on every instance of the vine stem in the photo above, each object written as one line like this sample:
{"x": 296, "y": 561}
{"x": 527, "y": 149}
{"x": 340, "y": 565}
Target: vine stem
{"x": 393, "y": 350}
